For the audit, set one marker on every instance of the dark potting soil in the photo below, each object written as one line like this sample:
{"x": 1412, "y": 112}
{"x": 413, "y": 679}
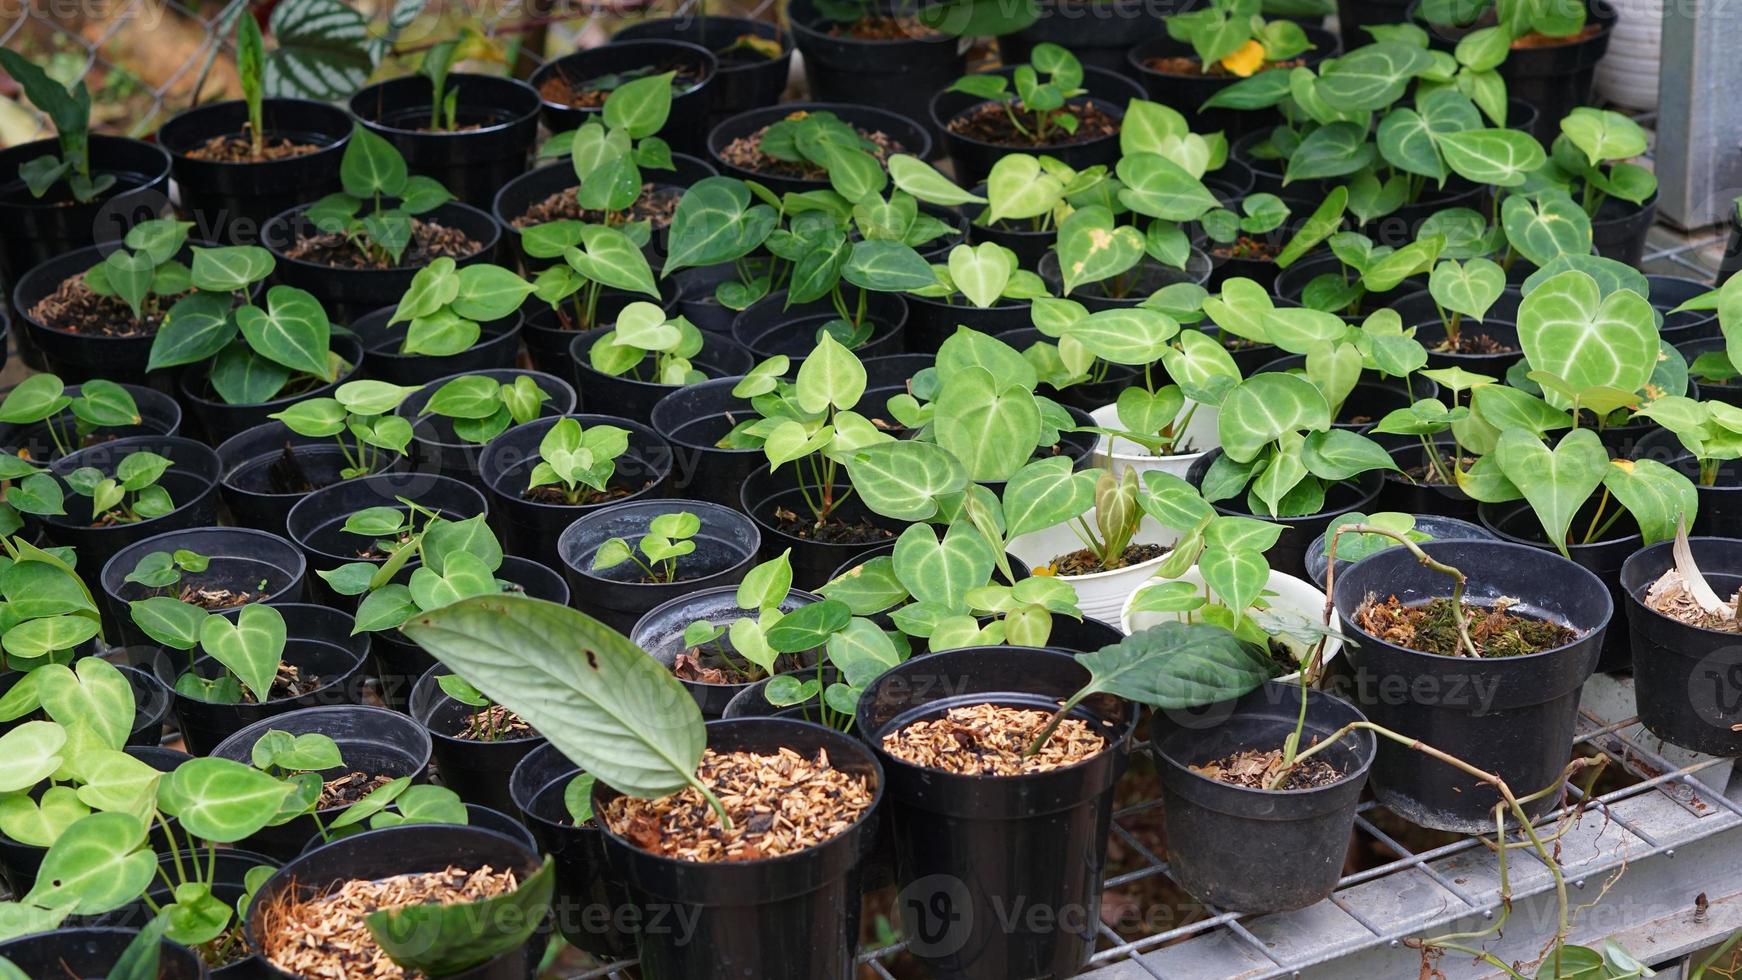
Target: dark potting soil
{"x": 1425, "y": 474}
{"x": 1246, "y": 247}
{"x": 290, "y": 683}
{"x": 655, "y": 205}
{"x": 745, "y": 152}
{"x": 429, "y": 241}
{"x": 286, "y": 475}
{"x": 1282, "y": 659}
{"x": 1495, "y": 630}
{"x": 1535, "y": 40}
{"x": 1085, "y": 562}
{"x": 1185, "y": 64}
{"x": 349, "y": 788}
{"x": 990, "y": 122}
{"x": 833, "y": 531}
{"x": 555, "y": 494}
{"x": 879, "y": 27}
{"x": 1473, "y": 343}
{"x": 494, "y": 724}
{"x": 993, "y": 740}
{"x": 239, "y": 149}
{"x": 1255, "y": 770}
{"x": 780, "y": 803}
{"x": 701, "y": 665}
{"x": 591, "y": 93}
{"x": 74, "y": 308}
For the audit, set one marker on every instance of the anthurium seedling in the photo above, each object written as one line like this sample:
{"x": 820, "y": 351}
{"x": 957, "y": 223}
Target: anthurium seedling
{"x": 753, "y": 647}
{"x": 1516, "y": 18}
{"x": 1024, "y": 96}
{"x": 668, "y": 538}
{"x": 720, "y": 220}
{"x": 380, "y": 200}
{"x": 647, "y": 346}
{"x": 445, "y": 305}
{"x": 43, "y": 398}
{"x": 456, "y": 559}
{"x": 251, "y": 74}
{"x": 131, "y": 495}
{"x": 1591, "y": 153}
{"x": 1427, "y": 418}
{"x": 1259, "y": 214}
{"x": 481, "y": 408}
{"x": 145, "y": 273}
{"x": 986, "y": 275}
{"x": 162, "y": 569}
{"x": 297, "y": 762}
{"x": 576, "y": 462}
{"x": 50, "y": 614}
{"x": 1710, "y": 430}
{"x": 1228, "y": 551}
{"x": 1234, "y": 36}
{"x": 494, "y": 725}
{"x": 70, "y": 111}
{"x": 1464, "y": 289}
{"x": 444, "y": 102}
{"x": 250, "y": 648}
{"x": 359, "y": 418}
{"x": 1367, "y": 268}
{"x": 594, "y": 257}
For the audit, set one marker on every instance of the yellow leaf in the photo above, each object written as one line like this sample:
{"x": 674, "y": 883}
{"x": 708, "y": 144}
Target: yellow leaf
{"x": 1246, "y": 60}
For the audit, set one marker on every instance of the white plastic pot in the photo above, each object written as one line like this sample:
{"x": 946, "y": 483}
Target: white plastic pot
{"x": 1121, "y": 455}
{"x": 1284, "y": 593}
{"x": 1103, "y": 594}
{"x": 1627, "y": 75}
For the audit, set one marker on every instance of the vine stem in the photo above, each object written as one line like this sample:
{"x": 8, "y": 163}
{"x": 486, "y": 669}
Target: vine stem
{"x": 1457, "y": 576}
{"x": 1053, "y": 723}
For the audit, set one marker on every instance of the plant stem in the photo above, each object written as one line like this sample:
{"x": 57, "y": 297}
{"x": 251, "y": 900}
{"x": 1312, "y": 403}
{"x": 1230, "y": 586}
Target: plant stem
{"x": 1053, "y": 723}
{"x": 1457, "y": 576}
{"x": 713, "y": 801}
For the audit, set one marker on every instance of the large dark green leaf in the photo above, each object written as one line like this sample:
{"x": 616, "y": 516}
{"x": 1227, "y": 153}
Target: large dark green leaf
{"x": 443, "y": 940}
{"x": 1176, "y": 666}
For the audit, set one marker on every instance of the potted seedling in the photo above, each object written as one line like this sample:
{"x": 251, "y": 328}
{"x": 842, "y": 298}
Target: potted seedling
{"x": 628, "y": 367}
{"x": 354, "y": 520}
{"x": 454, "y": 418}
{"x": 1112, "y": 263}
{"x": 471, "y": 132}
{"x": 754, "y": 56}
{"x": 357, "y": 250}
{"x": 543, "y": 475}
{"x": 983, "y": 287}
{"x": 1041, "y": 105}
{"x": 778, "y": 147}
{"x": 238, "y": 163}
{"x": 626, "y": 559}
{"x": 213, "y": 568}
{"x": 1707, "y": 433}
{"x": 1166, "y": 427}
{"x": 1589, "y": 157}
{"x": 67, "y": 183}
{"x": 1427, "y": 479}
{"x": 532, "y": 642}
{"x": 1356, "y": 276}
{"x": 450, "y": 319}
{"x": 359, "y": 420}
{"x": 476, "y": 742}
{"x": 1467, "y": 317}
{"x": 576, "y": 87}
{"x": 555, "y": 799}
{"x": 45, "y": 419}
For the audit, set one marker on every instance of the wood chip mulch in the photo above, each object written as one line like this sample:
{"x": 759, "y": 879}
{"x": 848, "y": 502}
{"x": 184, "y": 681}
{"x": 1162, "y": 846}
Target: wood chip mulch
{"x": 780, "y": 804}
{"x": 990, "y": 739}
{"x": 238, "y": 149}
{"x": 1495, "y": 629}
{"x": 654, "y": 205}
{"x": 327, "y": 938}
{"x": 217, "y": 598}
{"x": 1669, "y": 596}
{"x": 349, "y": 788}
{"x": 74, "y": 308}
{"x": 429, "y": 241}
{"x": 1253, "y": 769}
{"x": 746, "y": 152}
{"x": 494, "y": 724}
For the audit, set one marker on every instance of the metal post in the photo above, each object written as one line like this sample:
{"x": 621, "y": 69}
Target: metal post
{"x": 1699, "y": 126}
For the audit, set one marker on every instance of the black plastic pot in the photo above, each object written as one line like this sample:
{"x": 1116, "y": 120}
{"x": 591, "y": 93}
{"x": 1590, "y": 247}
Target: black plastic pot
{"x": 318, "y": 642}
{"x": 254, "y": 496}
{"x": 398, "y": 663}
{"x": 1732, "y": 258}
{"x": 726, "y": 547}
{"x": 1435, "y": 526}
{"x": 497, "y": 122}
{"x": 220, "y": 421}
{"x": 40, "y": 228}
{"x": 1139, "y": 282}
{"x": 1292, "y": 281}
{"x": 1353, "y": 16}
{"x": 1510, "y": 716}
{"x": 530, "y": 528}
{"x": 1720, "y": 503}
{"x": 1098, "y": 33}
{"x": 159, "y": 415}
{"x": 632, "y": 398}
{"x": 317, "y": 522}
{"x": 687, "y": 123}
{"x": 973, "y": 159}
{"x": 769, "y": 327}
{"x": 481, "y": 817}
{"x": 548, "y": 336}
{"x": 1288, "y": 554}
{"x": 372, "y": 740}
{"x": 884, "y": 74}
{"x": 765, "y": 492}
{"x": 1260, "y": 269}
{"x": 498, "y": 345}
{"x": 1728, "y": 392}
{"x": 93, "y": 952}
{"x": 406, "y": 849}
{"x": 930, "y": 322}
{"x": 1517, "y": 523}
{"x": 1688, "y": 680}
{"x": 692, "y": 420}
{"x": 1187, "y": 93}
{"x": 191, "y": 481}
{"x": 1253, "y": 850}
{"x": 1669, "y": 292}
{"x": 435, "y": 446}
{"x": 1501, "y": 323}
{"x": 1619, "y": 229}
{"x": 230, "y": 867}
{"x": 1401, "y": 226}
{"x": 347, "y": 294}
{"x": 478, "y": 771}
{"x": 1029, "y": 244}
{"x": 517, "y": 196}
{"x": 241, "y": 559}
{"x": 230, "y": 202}
{"x": 742, "y": 81}
{"x": 83, "y": 356}
{"x": 1267, "y": 173}
{"x": 590, "y": 904}
{"x": 696, "y": 299}
{"x": 902, "y": 131}
{"x": 661, "y": 633}
{"x": 1407, "y": 496}
{"x": 741, "y": 913}
{"x": 954, "y": 834}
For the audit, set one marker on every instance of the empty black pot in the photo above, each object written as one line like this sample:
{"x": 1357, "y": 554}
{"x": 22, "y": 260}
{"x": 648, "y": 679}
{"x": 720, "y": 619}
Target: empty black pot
{"x": 268, "y": 469}
{"x": 950, "y": 830}
{"x": 745, "y": 78}
{"x": 903, "y": 133}
{"x": 1688, "y": 680}
{"x": 317, "y": 522}
{"x": 1254, "y": 850}
{"x": 886, "y": 74}
{"x": 1518, "y": 523}
{"x": 633, "y": 395}
{"x": 477, "y": 770}
{"x": 693, "y": 419}
{"x": 496, "y": 122}
{"x": 592, "y": 907}
{"x": 661, "y": 633}
{"x": 741, "y": 913}
{"x": 1288, "y": 554}
{"x": 1099, "y": 34}
{"x": 687, "y": 123}
{"x": 221, "y": 421}
{"x": 725, "y": 548}
{"x": 230, "y": 202}
{"x": 374, "y": 741}
{"x": 1512, "y": 716}
{"x": 436, "y": 447}
{"x": 930, "y": 321}
{"x": 240, "y": 559}
{"x": 93, "y": 952}
{"x": 1618, "y": 231}
{"x": 972, "y": 158}
{"x": 497, "y": 346}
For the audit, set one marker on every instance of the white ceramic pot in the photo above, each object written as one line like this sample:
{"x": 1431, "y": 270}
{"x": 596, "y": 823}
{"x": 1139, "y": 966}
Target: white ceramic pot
{"x": 1284, "y": 592}
{"x": 1121, "y": 454}
{"x": 1103, "y": 594}
{"x": 1627, "y": 75}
